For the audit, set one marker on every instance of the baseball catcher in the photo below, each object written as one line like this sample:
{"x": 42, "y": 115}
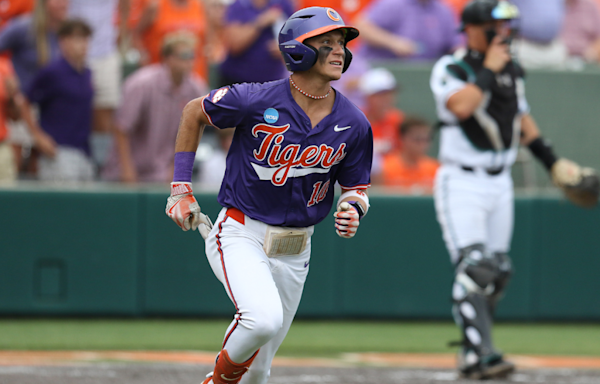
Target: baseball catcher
{"x": 480, "y": 101}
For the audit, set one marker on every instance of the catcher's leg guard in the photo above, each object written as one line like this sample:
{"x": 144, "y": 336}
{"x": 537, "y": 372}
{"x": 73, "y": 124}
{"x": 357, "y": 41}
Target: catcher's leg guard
{"x": 503, "y": 277}
{"x": 479, "y": 282}
{"x": 228, "y": 372}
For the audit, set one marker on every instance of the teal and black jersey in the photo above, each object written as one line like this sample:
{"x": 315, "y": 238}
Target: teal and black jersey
{"x": 494, "y": 128}
{"x": 500, "y": 106}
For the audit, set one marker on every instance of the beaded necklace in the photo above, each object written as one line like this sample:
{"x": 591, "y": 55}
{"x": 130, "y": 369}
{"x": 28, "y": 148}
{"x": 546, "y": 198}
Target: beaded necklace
{"x": 307, "y": 94}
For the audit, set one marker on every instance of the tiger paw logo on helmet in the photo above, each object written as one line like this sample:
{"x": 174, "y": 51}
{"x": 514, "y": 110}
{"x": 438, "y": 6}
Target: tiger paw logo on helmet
{"x": 305, "y": 24}
{"x": 333, "y": 15}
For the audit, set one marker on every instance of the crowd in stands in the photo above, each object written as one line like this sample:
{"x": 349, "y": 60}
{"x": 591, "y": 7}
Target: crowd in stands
{"x": 68, "y": 114}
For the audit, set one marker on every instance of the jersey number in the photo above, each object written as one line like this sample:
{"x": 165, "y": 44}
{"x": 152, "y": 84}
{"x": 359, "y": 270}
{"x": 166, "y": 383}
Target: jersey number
{"x": 318, "y": 193}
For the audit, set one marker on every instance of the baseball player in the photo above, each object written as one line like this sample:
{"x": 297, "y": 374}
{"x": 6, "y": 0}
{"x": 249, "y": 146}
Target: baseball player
{"x": 484, "y": 115}
{"x": 294, "y": 139}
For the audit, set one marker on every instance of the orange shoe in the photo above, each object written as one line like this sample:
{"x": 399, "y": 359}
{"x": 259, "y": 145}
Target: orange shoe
{"x": 228, "y": 372}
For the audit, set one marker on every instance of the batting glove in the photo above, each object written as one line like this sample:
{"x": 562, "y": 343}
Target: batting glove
{"x": 346, "y": 220}
{"x": 184, "y": 210}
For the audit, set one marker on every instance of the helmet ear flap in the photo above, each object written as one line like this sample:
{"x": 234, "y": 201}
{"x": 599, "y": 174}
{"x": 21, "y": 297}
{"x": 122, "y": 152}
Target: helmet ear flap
{"x": 347, "y": 59}
{"x": 314, "y": 61}
{"x": 298, "y": 56}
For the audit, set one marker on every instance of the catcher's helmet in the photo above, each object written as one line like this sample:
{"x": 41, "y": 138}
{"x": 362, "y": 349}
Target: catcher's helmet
{"x": 481, "y": 11}
{"x": 307, "y": 23}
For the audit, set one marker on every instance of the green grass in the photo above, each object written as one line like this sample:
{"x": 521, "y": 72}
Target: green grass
{"x": 306, "y": 338}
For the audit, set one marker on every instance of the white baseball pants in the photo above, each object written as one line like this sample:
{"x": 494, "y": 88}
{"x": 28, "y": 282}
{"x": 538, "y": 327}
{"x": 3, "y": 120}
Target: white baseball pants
{"x": 474, "y": 207}
{"x": 265, "y": 291}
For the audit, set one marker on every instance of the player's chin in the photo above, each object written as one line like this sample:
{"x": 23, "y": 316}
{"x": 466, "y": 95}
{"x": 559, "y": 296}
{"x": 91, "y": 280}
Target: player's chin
{"x": 334, "y": 73}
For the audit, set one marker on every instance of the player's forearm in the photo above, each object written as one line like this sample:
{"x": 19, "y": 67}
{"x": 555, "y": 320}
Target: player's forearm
{"x": 12, "y": 109}
{"x": 146, "y": 19}
{"x": 27, "y": 115}
{"x": 124, "y": 11}
{"x": 240, "y": 37}
{"x": 376, "y": 36}
{"x": 124, "y": 152}
{"x": 592, "y": 53}
{"x": 529, "y": 130}
{"x": 464, "y": 102}
{"x": 532, "y": 138}
{"x": 191, "y": 127}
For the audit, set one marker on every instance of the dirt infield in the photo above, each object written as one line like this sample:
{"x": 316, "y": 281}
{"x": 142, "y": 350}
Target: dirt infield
{"x": 124, "y": 367}
{"x": 415, "y": 360}
{"x": 132, "y": 373}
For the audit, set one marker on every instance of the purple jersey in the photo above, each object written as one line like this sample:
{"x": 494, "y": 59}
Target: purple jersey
{"x": 279, "y": 170}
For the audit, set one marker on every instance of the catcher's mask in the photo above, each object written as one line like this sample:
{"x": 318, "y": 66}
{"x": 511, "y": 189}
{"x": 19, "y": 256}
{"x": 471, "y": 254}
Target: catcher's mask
{"x": 482, "y": 11}
{"x": 307, "y": 23}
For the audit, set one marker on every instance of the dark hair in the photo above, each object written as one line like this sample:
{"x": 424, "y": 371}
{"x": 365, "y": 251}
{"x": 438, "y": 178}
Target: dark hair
{"x": 72, "y": 27}
{"x": 411, "y": 122}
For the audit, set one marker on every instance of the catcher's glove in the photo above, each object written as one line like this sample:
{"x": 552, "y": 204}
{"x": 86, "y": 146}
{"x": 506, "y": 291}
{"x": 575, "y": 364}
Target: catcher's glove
{"x": 581, "y": 185}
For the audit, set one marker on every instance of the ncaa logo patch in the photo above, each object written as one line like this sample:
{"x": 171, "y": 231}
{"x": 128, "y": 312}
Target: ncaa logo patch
{"x": 219, "y": 94}
{"x": 271, "y": 115}
{"x": 333, "y": 15}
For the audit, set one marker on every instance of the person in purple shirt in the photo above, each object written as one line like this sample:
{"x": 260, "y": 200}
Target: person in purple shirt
{"x": 63, "y": 91}
{"x": 31, "y": 42}
{"x": 31, "y": 39}
{"x": 415, "y": 30}
{"x": 249, "y": 35}
{"x": 294, "y": 139}
{"x": 539, "y": 26}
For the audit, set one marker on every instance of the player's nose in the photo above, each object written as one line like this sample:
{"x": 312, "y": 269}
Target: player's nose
{"x": 338, "y": 51}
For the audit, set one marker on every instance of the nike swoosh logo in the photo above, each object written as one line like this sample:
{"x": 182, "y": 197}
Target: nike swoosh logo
{"x": 225, "y": 378}
{"x": 235, "y": 373}
{"x": 340, "y": 129}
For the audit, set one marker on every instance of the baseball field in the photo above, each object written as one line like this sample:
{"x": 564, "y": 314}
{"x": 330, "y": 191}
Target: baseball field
{"x": 53, "y": 351}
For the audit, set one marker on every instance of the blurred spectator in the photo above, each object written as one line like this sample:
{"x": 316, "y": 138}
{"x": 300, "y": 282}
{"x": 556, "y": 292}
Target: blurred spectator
{"x": 379, "y": 87}
{"x": 251, "y": 32}
{"x": 63, "y": 91}
{"x": 161, "y": 17}
{"x": 457, "y": 6}
{"x": 215, "y": 42}
{"x": 103, "y": 56}
{"x": 348, "y": 9}
{"x": 581, "y": 30}
{"x": 408, "y": 29}
{"x": 212, "y": 170}
{"x": 540, "y": 23}
{"x": 31, "y": 41}
{"x": 410, "y": 168}
{"x": 8, "y": 109}
{"x": 13, "y": 8}
{"x": 148, "y": 118}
